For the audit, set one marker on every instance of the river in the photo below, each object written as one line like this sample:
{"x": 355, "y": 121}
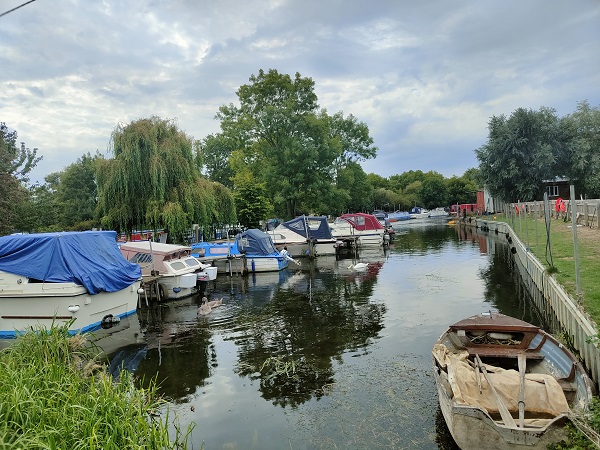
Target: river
{"x": 319, "y": 356}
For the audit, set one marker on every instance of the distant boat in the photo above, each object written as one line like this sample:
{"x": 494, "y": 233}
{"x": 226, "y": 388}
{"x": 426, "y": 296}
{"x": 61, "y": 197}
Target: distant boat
{"x": 439, "y": 213}
{"x": 398, "y": 216}
{"x": 505, "y": 384}
{"x": 416, "y": 212}
{"x": 53, "y": 278}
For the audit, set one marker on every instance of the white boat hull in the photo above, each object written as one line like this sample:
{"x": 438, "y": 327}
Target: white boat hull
{"x": 265, "y": 264}
{"x": 47, "y": 304}
{"x": 178, "y": 286}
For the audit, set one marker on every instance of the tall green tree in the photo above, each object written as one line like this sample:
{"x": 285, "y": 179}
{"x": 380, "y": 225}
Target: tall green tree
{"x": 354, "y": 188}
{"x": 76, "y": 193}
{"x": 520, "y": 153}
{"x": 579, "y": 156}
{"x": 292, "y": 147}
{"x": 152, "y": 181}
{"x": 433, "y": 191}
{"x": 15, "y": 165}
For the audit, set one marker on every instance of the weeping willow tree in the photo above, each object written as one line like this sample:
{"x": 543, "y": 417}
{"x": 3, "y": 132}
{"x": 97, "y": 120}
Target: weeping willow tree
{"x": 152, "y": 182}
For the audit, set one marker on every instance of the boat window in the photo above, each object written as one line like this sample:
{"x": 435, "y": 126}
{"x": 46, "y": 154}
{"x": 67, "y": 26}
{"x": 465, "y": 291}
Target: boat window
{"x": 140, "y": 258}
{"x": 192, "y": 262}
{"x": 360, "y": 220}
{"x": 178, "y": 265}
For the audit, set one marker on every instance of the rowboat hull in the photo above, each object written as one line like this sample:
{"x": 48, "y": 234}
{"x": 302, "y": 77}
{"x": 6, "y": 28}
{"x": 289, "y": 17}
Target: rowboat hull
{"x": 492, "y": 405}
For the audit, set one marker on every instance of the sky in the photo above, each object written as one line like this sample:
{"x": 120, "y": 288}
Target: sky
{"x": 424, "y": 76}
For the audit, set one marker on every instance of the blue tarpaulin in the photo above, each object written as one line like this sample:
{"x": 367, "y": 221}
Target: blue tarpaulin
{"x": 255, "y": 242}
{"x": 88, "y": 258}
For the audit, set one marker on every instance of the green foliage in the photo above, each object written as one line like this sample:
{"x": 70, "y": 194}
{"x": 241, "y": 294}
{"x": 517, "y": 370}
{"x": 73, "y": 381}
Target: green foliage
{"x": 520, "y": 153}
{"x": 355, "y": 192}
{"x": 15, "y": 166}
{"x": 278, "y": 135}
{"x": 252, "y": 203}
{"x": 55, "y": 393}
{"x": 153, "y": 182}
{"x": 579, "y": 156}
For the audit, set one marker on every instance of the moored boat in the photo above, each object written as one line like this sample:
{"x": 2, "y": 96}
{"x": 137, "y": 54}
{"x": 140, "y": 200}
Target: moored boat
{"x": 79, "y": 278}
{"x": 416, "y": 212}
{"x": 506, "y": 384}
{"x": 364, "y": 229}
{"x": 304, "y": 236}
{"x": 178, "y": 271}
{"x": 261, "y": 255}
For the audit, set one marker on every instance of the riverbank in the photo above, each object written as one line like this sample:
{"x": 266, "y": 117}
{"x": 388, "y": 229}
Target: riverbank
{"x": 55, "y": 392}
{"x": 554, "y": 247}
{"x": 559, "y": 257}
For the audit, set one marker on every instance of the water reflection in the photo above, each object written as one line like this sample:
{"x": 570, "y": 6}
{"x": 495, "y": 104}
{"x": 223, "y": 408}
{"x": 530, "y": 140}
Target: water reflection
{"x": 321, "y": 356}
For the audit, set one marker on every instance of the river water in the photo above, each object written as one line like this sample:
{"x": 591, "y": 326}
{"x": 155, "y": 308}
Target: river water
{"x": 319, "y": 356}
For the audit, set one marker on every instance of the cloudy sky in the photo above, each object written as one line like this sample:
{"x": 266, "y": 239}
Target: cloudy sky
{"x": 425, "y": 76}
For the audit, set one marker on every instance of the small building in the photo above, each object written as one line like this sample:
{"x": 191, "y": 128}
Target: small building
{"x": 557, "y": 187}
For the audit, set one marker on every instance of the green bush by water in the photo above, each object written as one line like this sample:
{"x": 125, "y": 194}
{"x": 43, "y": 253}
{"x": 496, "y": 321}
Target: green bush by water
{"x": 55, "y": 394}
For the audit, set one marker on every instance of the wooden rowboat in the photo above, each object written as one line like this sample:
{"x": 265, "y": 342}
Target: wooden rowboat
{"x": 506, "y": 384}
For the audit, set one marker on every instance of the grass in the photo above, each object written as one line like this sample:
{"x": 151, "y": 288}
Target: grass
{"x": 56, "y": 394}
{"x": 561, "y": 261}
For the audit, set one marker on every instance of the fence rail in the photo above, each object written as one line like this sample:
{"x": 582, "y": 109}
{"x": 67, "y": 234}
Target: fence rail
{"x": 587, "y": 212}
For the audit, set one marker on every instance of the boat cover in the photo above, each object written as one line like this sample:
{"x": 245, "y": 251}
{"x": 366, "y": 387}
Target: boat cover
{"x": 300, "y": 224}
{"x": 362, "y": 221}
{"x": 255, "y": 242}
{"x": 88, "y": 258}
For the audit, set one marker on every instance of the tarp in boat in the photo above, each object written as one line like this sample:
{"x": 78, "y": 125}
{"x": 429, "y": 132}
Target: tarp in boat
{"x": 317, "y": 226}
{"x": 88, "y": 258}
{"x": 543, "y": 394}
{"x": 255, "y": 242}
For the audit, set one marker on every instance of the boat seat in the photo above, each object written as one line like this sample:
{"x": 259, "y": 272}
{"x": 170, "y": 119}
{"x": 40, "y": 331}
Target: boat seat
{"x": 502, "y": 353}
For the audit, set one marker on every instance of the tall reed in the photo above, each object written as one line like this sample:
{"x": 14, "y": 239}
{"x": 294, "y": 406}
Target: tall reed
{"x": 56, "y": 394}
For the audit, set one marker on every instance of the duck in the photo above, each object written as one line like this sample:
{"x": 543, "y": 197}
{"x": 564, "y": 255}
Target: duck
{"x": 358, "y": 266}
{"x": 204, "y": 308}
{"x": 215, "y": 303}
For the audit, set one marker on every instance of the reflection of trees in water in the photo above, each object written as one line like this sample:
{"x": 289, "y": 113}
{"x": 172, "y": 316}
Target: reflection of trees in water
{"x": 421, "y": 239}
{"x": 504, "y": 287}
{"x": 304, "y": 332}
{"x": 170, "y": 340}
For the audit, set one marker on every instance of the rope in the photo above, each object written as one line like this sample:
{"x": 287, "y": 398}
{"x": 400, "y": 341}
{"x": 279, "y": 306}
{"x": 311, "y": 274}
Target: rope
{"x": 580, "y": 423}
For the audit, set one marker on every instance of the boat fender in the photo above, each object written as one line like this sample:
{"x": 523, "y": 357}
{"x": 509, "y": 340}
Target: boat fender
{"x": 500, "y": 336}
{"x": 513, "y": 250}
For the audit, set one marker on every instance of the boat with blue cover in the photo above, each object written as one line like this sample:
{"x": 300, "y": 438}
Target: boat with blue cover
{"x": 304, "y": 236}
{"x": 78, "y": 278}
{"x": 251, "y": 251}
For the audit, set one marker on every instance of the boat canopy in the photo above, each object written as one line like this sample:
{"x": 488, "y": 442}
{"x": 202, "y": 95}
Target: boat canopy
{"x": 255, "y": 242}
{"x": 362, "y": 221}
{"x": 317, "y": 226}
{"x": 88, "y": 258}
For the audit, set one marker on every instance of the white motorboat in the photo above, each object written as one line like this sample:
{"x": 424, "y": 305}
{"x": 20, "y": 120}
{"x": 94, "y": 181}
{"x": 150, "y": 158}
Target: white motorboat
{"x": 178, "y": 271}
{"x": 304, "y": 236}
{"x": 364, "y": 229}
{"x": 75, "y": 278}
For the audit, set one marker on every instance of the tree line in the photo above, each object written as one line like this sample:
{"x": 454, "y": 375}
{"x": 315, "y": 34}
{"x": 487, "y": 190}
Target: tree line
{"x": 278, "y": 154}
